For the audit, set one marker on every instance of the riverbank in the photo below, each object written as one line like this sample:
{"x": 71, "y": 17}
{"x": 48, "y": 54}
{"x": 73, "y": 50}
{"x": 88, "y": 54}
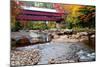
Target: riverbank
{"x": 25, "y": 38}
{"x": 21, "y": 58}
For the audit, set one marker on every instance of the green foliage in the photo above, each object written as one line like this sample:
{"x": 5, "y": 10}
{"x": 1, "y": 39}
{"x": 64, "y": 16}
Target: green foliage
{"x": 51, "y": 24}
{"x": 88, "y": 16}
{"x": 69, "y": 26}
{"x": 41, "y": 25}
{"x": 17, "y": 26}
{"x": 30, "y": 25}
{"x": 80, "y": 16}
{"x": 37, "y": 25}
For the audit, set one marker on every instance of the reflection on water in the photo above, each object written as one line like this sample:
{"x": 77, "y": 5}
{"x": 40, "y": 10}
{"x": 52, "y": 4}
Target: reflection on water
{"x": 90, "y": 43}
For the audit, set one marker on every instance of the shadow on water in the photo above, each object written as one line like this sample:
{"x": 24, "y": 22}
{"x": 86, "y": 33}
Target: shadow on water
{"x": 91, "y": 43}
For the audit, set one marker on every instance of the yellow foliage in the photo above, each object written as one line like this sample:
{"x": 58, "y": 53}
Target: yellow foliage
{"x": 72, "y": 9}
{"x": 72, "y": 12}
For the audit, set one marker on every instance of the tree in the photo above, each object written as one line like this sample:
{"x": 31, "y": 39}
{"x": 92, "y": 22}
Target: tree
{"x": 18, "y": 26}
{"x": 72, "y": 14}
{"x": 88, "y": 16}
{"x": 15, "y": 10}
{"x": 79, "y": 15}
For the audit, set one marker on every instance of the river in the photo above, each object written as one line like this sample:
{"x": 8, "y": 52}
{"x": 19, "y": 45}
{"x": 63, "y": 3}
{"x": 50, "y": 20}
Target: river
{"x": 77, "y": 52}
{"x": 58, "y": 51}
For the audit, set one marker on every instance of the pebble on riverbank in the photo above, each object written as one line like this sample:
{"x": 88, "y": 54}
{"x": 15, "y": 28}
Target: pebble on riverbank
{"x": 19, "y": 58}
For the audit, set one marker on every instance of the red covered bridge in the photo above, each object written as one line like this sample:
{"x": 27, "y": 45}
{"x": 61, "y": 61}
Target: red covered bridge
{"x": 30, "y": 13}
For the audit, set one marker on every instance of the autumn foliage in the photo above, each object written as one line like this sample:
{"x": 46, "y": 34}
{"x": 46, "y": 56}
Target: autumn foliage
{"x": 77, "y": 15}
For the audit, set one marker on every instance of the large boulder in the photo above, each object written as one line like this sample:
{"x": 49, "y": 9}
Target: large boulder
{"x": 23, "y": 41}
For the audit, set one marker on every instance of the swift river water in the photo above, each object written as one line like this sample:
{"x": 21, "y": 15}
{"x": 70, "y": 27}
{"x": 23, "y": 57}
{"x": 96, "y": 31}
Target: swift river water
{"x": 76, "y": 52}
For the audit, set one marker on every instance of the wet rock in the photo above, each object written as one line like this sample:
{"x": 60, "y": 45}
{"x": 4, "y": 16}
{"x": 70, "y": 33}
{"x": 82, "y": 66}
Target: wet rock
{"x": 35, "y": 40}
{"x": 50, "y": 37}
{"x": 86, "y": 56}
{"x": 23, "y": 41}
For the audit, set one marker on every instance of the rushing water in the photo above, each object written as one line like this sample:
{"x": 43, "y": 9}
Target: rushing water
{"x": 62, "y": 51}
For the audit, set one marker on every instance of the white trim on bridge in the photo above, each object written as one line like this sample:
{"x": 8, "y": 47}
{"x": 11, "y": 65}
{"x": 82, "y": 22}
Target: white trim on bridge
{"x": 39, "y": 9}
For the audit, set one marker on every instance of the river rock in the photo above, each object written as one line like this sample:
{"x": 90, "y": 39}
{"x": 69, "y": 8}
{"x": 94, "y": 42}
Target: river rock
{"x": 74, "y": 36}
{"x": 56, "y": 36}
{"x": 82, "y": 33}
{"x": 64, "y": 36}
{"x": 92, "y": 36}
{"x": 54, "y": 61}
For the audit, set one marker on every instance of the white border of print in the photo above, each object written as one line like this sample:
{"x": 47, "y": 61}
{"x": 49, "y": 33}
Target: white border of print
{"x": 5, "y": 36}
